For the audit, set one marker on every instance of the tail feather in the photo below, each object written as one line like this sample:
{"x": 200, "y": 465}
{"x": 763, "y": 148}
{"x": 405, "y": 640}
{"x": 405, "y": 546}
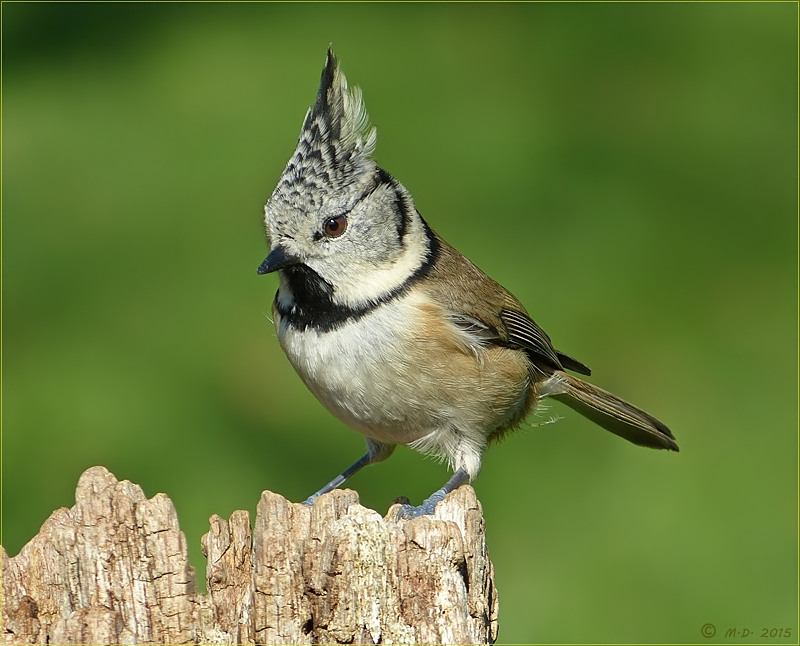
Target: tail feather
{"x": 609, "y": 411}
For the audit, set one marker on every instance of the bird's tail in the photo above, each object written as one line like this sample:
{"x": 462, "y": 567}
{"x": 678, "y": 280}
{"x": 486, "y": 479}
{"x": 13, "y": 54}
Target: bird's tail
{"x": 609, "y": 411}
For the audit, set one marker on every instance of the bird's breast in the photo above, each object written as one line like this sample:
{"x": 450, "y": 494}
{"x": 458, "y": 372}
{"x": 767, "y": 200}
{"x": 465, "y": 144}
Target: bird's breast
{"x": 402, "y": 372}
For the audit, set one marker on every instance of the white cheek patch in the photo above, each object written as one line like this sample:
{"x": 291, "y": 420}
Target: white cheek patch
{"x": 365, "y": 283}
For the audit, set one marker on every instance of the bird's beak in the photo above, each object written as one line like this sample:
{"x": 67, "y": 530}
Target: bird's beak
{"x": 278, "y": 258}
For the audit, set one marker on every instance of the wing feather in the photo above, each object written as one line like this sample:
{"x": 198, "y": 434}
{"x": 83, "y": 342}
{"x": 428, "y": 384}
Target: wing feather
{"x": 490, "y": 313}
{"x": 523, "y": 332}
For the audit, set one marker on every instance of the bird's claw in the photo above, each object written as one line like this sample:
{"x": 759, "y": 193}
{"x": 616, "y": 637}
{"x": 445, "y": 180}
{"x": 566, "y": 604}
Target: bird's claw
{"x": 407, "y": 512}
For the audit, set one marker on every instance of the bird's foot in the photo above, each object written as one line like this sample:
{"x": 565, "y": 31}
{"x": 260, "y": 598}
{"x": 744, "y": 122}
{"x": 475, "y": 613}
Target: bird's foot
{"x": 427, "y": 508}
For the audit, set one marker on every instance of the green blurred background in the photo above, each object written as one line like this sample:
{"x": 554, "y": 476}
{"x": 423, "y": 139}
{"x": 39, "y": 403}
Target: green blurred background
{"x": 629, "y": 171}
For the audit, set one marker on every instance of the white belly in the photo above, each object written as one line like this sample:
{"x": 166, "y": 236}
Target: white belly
{"x": 362, "y": 373}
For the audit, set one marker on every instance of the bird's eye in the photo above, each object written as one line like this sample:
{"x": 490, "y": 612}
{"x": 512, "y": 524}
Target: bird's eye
{"x": 334, "y": 227}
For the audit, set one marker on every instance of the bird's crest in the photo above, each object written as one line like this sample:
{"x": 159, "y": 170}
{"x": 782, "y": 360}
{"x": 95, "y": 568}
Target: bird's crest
{"x": 340, "y": 113}
{"x": 336, "y": 140}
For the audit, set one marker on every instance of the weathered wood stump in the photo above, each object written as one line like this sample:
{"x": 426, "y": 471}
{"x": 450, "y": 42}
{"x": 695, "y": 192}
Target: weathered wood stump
{"x": 114, "y": 569}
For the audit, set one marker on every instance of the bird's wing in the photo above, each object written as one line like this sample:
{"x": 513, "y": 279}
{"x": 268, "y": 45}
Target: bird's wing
{"x": 486, "y": 309}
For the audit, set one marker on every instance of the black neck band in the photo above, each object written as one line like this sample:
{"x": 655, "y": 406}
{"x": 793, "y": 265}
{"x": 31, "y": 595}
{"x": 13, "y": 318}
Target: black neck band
{"x": 314, "y": 308}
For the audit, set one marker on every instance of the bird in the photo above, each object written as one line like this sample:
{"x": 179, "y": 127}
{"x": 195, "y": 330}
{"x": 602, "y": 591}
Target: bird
{"x": 396, "y": 333}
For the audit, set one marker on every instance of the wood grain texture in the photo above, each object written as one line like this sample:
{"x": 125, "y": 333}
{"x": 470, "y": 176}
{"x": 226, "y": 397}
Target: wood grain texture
{"x": 114, "y": 569}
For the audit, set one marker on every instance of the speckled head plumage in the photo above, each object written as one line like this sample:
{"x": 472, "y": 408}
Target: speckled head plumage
{"x": 335, "y": 218}
{"x": 334, "y": 148}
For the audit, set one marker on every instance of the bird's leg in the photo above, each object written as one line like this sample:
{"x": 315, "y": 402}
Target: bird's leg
{"x": 359, "y": 464}
{"x": 427, "y": 507}
{"x": 376, "y": 452}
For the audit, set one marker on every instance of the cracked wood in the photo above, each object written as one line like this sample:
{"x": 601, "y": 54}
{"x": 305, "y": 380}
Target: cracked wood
{"x": 114, "y": 569}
